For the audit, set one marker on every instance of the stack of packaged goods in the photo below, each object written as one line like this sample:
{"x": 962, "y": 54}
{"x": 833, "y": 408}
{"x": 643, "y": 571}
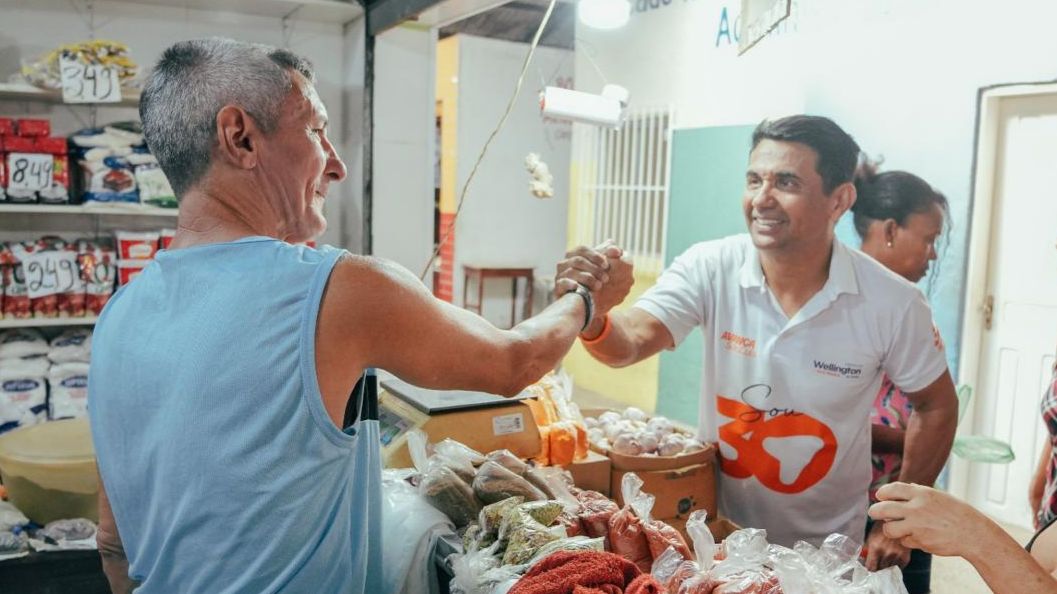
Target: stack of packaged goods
{"x": 116, "y": 167}
{"x": 25, "y": 179}
{"x": 83, "y": 273}
{"x": 563, "y": 433}
{"x": 24, "y": 368}
{"x": 135, "y": 249}
{"x": 43, "y": 380}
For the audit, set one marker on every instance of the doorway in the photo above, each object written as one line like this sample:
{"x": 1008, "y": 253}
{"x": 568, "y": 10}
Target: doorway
{"x": 1010, "y": 330}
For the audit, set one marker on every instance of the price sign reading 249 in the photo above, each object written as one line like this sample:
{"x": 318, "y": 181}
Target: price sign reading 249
{"x": 88, "y": 83}
{"x": 50, "y": 273}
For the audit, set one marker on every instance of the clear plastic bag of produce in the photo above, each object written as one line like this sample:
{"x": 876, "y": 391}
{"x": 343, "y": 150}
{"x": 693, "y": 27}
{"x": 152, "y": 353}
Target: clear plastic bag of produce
{"x": 441, "y": 486}
{"x": 494, "y": 483}
{"x": 524, "y": 534}
{"x": 595, "y": 511}
{"x": 673, "y": 569}
{"x": 627, "y": 536}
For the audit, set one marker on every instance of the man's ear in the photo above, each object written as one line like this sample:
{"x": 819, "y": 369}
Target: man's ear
{"x": 237, "y": 136}
{"x": 843, "y": 199}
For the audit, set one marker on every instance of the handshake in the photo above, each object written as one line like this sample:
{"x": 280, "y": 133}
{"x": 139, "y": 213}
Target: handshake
{"x": 604, "y": 270}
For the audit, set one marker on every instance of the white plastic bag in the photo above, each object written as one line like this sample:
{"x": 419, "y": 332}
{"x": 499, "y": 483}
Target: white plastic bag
{"x": 413, "y": 525}
{"x": 72, "y": 345}
{"x": 69, "y": 391}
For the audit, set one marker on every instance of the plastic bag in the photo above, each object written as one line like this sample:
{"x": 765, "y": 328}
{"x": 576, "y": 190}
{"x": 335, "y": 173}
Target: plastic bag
{"x": 494, "y": 483}
{"x": 74, "y": 345}
{"x": 562, "y": 443}
{"x": 673, "y": 570}
{"x": 595, "y": 512}
{"x": 11, "y": 517}
{"x": 576, "y": 543}
{"x": 449, "y": 448}
{"x": 523, "y": 536}
{"x": 405, "y": 560}
{"x": 662, "y": 536}
{"x": 544, "y": 512}
{"x": 627, "y": 536}
{"x": 478, "y": 571}
{"x": 508, "y": 460}
{"x": 22, "y": 342}
{"x": 69, "y": 391}
{"x": 492, "y": 517}
{"x": 441, "y": 487}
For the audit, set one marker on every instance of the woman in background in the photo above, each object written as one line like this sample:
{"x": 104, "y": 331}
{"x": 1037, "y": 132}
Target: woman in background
{"x": 899, "y": 217}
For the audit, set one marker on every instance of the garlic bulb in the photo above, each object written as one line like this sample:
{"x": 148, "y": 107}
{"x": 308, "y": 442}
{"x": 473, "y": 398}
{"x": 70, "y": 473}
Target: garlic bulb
{"x": 649, "y": 442}
{"x": 632, "y": 413}
{"x": 671, "y": 445}
{"x": 660, "y": 426}
{"x": 609, "y": 417}
{"x": 627, "y": 445}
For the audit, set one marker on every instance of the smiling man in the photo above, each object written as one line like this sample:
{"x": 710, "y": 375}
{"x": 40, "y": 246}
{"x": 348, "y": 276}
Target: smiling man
{"x": 798, "y": 332}
{"x": 220, "y": 376}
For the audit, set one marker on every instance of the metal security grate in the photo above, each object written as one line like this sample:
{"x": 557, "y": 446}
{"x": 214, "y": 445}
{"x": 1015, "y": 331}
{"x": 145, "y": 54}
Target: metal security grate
{"x": 622, "y": 185}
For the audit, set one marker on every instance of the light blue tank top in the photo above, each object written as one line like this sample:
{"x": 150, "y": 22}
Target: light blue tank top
{"x": 224, "y": 472}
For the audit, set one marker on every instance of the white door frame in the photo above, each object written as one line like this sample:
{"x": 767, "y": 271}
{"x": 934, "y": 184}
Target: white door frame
{"x": 988, "y": 122}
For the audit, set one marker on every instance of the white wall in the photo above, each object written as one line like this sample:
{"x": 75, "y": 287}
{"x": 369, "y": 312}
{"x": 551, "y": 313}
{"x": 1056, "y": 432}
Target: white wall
{"x": 30, "y": 28}
{"x": 404, "y": 130}
{"x": 501, "y": 223}
{"x": 900, "y": 75}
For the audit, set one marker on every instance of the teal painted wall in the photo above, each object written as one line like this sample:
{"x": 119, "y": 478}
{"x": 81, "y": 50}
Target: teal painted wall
{"x": 707, "y": 180}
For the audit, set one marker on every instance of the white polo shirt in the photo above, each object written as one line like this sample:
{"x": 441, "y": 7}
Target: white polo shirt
{"x": 789, "y": 399}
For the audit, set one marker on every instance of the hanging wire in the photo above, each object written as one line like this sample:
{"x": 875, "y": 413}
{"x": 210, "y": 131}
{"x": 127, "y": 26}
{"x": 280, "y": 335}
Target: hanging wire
{"x": 491, "y": 137}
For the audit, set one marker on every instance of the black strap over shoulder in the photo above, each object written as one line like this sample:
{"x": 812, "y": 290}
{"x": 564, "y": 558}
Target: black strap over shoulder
{"x": 363, "y": 402}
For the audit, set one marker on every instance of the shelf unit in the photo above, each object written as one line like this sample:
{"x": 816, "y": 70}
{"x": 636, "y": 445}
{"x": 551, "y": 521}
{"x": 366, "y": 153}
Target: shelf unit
{"x": 27, "y": 92}
{"x": 320, "y": 11}
{"x": 108, "y": 209}
{"x": 47, "y": 322}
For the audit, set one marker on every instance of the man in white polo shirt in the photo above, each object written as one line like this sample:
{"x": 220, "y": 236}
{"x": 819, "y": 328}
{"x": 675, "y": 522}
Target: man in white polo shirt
{"x": 798, "y": 331}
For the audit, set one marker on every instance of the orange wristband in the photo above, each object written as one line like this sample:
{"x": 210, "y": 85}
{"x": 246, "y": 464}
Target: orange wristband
{"x": 606, "y": 327}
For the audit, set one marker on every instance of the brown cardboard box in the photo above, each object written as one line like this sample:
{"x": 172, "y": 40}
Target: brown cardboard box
{"x": 677, "y": 492}
{"x": 510, "y": 426}
{"x": 592, "y": 473}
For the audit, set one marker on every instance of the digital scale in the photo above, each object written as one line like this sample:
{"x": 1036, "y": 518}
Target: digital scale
{"x": 484, "y": 422}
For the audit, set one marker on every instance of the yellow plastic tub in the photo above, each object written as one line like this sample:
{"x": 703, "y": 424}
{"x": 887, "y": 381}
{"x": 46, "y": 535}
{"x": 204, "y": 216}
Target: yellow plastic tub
{"x": 49, "y": 470}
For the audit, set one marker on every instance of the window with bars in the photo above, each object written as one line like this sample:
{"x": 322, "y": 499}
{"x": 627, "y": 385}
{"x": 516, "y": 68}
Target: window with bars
{"x": 622, "y": 185}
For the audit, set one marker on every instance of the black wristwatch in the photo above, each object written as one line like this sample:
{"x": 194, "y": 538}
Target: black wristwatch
{"x": 589, "y": 303}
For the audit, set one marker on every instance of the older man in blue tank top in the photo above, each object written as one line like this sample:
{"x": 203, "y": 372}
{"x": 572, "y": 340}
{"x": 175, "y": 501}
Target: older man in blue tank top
{"x": 220, "y": 375}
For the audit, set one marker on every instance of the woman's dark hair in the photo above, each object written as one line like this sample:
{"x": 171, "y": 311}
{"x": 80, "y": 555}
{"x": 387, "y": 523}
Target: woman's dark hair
{"x": 891, "y": 195}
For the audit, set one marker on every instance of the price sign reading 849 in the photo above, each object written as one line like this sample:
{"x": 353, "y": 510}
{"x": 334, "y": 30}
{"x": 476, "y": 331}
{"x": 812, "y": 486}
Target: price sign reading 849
{"x": 28, "y": 171}
{"x": 50, "y": 273}
{"x": 88, "y": 83}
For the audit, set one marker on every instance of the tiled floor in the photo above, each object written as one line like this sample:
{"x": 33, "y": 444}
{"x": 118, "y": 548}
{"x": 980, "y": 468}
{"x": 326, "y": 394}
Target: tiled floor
{"x": 950, "y": 575}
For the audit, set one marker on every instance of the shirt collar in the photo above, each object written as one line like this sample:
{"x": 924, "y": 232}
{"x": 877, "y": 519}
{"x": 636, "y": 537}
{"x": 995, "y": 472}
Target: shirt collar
{"x": 841, "y": 272}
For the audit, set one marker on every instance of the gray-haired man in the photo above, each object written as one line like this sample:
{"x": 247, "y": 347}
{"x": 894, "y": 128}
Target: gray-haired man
{"x": 220, "y": 376}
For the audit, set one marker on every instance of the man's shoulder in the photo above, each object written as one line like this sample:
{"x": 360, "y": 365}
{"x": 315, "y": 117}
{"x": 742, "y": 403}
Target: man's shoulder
{"x": 877, "y": 281}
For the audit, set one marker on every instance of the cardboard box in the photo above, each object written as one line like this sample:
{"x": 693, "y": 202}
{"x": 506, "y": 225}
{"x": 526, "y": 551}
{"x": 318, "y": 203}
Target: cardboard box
{"x": 592, "y": 473}
{"x": 677, "y": 492}
{"x": 510, "y": 426}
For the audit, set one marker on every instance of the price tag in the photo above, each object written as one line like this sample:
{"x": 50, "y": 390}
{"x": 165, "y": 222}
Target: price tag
{"x": 88, "y": 83}
{"x": 51, "y": 273}
{"x": 29, "y": 171}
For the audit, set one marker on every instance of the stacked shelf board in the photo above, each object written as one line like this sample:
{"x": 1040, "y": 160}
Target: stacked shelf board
{"x": 47, "y": 322}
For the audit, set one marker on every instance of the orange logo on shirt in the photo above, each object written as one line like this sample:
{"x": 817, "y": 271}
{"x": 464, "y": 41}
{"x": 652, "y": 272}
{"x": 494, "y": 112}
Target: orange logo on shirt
{"x": 747, "y": 431}
{"x": 738, "y": 344}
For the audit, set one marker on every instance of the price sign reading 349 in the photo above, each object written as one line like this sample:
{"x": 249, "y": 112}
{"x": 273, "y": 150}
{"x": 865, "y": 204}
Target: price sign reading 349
{"x": 29, "y": 171}
{"x": 88, "y": 83}
{"x": 49, "y": 273}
